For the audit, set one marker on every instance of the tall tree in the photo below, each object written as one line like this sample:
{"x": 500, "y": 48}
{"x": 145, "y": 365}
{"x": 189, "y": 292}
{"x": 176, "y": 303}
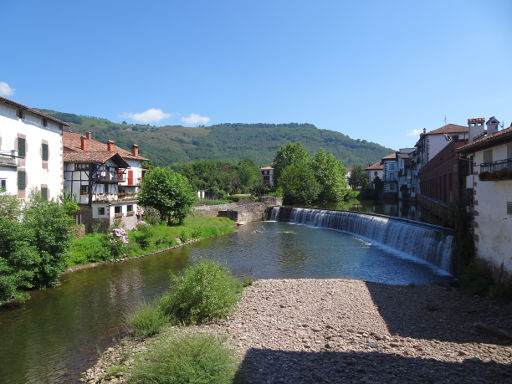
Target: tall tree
{"x": 330, "y": 174}
{"x": 168, "y": 192}
{"x": 249, "y": 176}
{"x": 299, "y": 183}
{"x": 358, "y": 178}
{"x": 288, "y": 154}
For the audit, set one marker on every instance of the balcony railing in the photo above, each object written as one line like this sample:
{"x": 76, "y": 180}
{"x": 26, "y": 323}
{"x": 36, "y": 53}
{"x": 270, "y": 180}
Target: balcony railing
{"x": 8, "y": 159}
{"x": 108, "y": 177}
{"x": 496, "y": 170}
{"x": 113, "y": 197}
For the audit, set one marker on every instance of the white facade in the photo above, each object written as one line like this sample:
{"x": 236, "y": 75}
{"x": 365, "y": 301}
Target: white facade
{"x": 390, "y": 175}
{"x": 492, "y": 206}
{"x": 40, "y": 138}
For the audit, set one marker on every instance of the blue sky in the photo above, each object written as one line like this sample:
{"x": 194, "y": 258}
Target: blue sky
{"x": 374, "y": 70}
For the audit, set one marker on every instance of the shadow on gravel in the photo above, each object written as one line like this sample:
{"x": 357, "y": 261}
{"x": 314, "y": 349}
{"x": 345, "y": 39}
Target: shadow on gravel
{"x": 440, "y": 313}
{"x": 268, "y": 366}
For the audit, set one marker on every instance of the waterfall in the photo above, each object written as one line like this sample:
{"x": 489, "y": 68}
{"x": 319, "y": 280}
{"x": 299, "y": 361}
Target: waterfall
{"x": 420, "y": 240}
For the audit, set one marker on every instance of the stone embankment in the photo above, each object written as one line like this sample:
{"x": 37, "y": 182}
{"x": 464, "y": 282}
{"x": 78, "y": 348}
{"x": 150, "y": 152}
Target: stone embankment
{"x": 347, "y": 331}
{"x": 244, "y": 211}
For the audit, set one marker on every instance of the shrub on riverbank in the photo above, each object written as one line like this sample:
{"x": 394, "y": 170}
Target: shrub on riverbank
{"x": 147, "y": 320}
{"x": 196, "y": 358}
{"x": 205, "y": 291}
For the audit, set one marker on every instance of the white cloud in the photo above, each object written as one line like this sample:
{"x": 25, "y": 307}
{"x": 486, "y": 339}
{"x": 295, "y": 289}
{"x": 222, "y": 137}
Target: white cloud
{"x": 415, "y": 132}
{"x": 5, "y": 90}
{"x": 194, "y": 119}
{"x": 152, "y": 115}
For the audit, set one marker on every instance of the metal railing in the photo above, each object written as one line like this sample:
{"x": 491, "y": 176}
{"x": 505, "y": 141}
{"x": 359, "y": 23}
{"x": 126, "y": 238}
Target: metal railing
{"x": 111, "y": 197}
{"x": 8, "y": 159}
{"x": 496, "y": 166}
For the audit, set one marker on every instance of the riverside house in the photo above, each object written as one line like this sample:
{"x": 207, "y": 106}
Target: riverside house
{"x": 489, "y": 186}
{"x": 30, "y": 151}
{"x": 103, "y": 178}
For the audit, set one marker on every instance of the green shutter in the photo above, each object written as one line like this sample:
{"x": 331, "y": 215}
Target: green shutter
{"x": 45, "y": 151}
{"x": 21, "y": 180}
{"x": 44, "y": 193}
{"x": 21, "y": 147}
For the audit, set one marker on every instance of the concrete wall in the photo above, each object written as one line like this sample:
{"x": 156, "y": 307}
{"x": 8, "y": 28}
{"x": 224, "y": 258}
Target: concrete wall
{"x": 39, "y": 173}
{"x": 241, "y": 213}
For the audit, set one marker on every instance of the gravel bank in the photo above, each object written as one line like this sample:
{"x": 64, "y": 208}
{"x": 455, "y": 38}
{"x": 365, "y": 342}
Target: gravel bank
{"x": 347, "y": 331}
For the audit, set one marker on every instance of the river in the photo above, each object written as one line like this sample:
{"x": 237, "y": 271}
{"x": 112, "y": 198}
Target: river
{"x": 60, "y": 331}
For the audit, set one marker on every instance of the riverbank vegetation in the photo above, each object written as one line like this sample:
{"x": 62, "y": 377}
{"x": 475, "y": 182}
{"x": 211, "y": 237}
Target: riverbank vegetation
{"x": 34, "y": 240}
{"x": 204, "y": 291}
{"x": 147, "y": 238}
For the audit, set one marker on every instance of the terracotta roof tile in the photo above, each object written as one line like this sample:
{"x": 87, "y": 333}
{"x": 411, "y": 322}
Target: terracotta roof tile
{"x": 389, "y": 157}
{"x": 487, "y": 141}
{"x": 72, "y": 142}
{"x": 449, "y": 128}
{"x": 376, "y": 166}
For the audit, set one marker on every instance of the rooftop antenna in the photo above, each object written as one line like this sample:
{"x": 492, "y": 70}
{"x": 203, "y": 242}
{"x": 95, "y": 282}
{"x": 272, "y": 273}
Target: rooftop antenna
{"x": 444, "y": 119}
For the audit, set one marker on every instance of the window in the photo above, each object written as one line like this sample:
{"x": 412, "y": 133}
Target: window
{"x": 509, "y": 207}
{"x": 3, "y": 185}
{"x": 129, "y": 209}
{"x": 84, "y": 189}
{"x": 21, "y": 147}
{"x": 44, "y": 193}
{"x": 488, "y": 156}
{"x": 21, "y": 180}
{"x": 118, "y": 209}
{"x": 101, "y": 211}
{"x": 509, "y": 151}
{"x": 81, "y": 167}
{"x": 44, "y": 151}
{"x": 19, "y": 113}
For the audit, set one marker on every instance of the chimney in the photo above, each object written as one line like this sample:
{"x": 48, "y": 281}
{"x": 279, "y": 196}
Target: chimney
{"x": 110, "y": 145}
{"x": 89, "y": 135}
{"x": 83, "y": 143}
{"x": 492, "y": 125}
{"x": 476, "y": 128}
{"x": 135, "y": 150}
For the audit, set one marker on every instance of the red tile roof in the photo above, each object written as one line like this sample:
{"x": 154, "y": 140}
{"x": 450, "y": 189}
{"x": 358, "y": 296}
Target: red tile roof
{"x": 93, "y": 157}
{"x": 476, "y": 120}
{"x": 504, "y": 135}
{"x": 72, "y": 143}
{"x": 449, "y": 128}
{"x": 376, "y": 166}
{"x": 266, "y": 168}
{"x": 34, "y": 111}
{"x": 390, "y": 157}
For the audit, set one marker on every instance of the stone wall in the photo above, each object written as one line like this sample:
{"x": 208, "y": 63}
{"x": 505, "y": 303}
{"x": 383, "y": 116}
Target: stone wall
{"x": 241, "y": 212}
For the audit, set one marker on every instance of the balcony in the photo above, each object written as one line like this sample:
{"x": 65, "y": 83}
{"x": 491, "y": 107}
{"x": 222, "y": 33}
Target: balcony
{"x": 496, "y": 170}
{"x": 113, "y": 197}
{"x": 8, "y": 159}
{"x": 108, "y": 177}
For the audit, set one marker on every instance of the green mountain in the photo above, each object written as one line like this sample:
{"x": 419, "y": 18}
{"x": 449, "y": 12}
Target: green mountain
{"x": 166, "y": 145}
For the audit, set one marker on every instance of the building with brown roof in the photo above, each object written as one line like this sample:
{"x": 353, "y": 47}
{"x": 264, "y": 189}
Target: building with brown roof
{"x": 103, "y": 178}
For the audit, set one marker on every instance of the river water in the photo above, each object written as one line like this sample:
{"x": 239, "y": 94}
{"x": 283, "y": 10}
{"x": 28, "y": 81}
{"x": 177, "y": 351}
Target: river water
{"x": 59, "y": 332}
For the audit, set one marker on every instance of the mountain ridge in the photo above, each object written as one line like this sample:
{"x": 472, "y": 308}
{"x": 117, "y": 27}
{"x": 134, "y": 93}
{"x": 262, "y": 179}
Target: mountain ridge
{"x": 170, "y": 144}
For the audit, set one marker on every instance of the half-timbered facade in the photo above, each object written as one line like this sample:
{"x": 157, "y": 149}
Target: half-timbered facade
{"x": 104, "y": 179}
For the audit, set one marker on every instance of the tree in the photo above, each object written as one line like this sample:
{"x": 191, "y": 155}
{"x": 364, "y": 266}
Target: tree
{"x": 358, "y": 178}
{"x": 299, "y": 184}
{"x": 287, "y": 155}
{"x": 249, "y": 176}
{"x": 330, "y": 174}
{"x": 168, "y": 192}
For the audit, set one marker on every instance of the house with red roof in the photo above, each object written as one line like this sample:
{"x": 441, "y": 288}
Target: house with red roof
{"x": 104, "y": 179}
{"x": 489, "y": 191}
{"x": 268, "y": 175}
{"x": 373, "y": 171}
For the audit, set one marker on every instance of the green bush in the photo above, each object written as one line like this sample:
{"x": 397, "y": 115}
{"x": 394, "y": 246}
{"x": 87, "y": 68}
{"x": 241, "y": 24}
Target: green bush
{"x": 89, "y": 249}
{"x": 197, "y": 358}
{"x": 205, "y": 291}
{"x": 147, "y": 320}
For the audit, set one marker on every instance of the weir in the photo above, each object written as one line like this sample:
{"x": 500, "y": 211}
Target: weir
{"x": 423, "y": 241}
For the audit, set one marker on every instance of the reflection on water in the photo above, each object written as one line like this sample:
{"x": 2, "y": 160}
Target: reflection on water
{"x": 57, "y": 334}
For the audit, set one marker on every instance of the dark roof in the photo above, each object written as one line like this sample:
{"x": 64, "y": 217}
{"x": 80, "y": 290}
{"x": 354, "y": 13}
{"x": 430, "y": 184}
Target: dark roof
{"x": 93, "y": 157}
{"x": 34, "y": 111}
{"x": 499, "y": 137}
{"x": 476, "y": 120}
{"x": 72, "y": 143}
{"x": 449, "y": 128}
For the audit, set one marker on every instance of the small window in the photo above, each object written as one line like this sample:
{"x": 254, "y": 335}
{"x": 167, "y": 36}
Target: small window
{"x": 44, "y": 193}
{"x": 509, "y": 207}
{"x": 3, "y": 185}
{"x": 101, "y": 211}
{"x": 21, "y": 147}
{"x": 509, "y": 151}
{"x": 21, "y": 180}
{"x": 44, "y": 152}
{"x": 84, "y": 189}
{"x": 81, "y": 167}
{"x": 118, "y": 209}
{"x": 488, "y": 156}
{"x": 19, "y": 113}
{"x": 130, "y": 208}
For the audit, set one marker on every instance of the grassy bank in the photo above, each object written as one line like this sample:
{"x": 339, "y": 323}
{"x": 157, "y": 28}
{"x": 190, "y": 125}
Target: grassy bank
{"x": 97, "y": 247}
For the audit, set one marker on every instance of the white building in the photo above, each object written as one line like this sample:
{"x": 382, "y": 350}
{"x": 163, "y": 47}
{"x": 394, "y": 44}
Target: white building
{"x": 390, "y": 172}
{"x": 103, "y": 178}
{"x": 489, "y": 187}
{"x": 376, "y": 170}
{"x": 30, "y": 151}
{"x": 268, "y": 175}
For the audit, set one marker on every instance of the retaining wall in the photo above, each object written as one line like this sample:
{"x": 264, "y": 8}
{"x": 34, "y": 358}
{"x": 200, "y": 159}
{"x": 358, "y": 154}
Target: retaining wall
{"x": 242, "y": 212}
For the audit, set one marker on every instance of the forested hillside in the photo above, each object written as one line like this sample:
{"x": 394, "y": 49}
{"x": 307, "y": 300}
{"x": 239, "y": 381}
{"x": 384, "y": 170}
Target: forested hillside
{"x": 165, "y": 145}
